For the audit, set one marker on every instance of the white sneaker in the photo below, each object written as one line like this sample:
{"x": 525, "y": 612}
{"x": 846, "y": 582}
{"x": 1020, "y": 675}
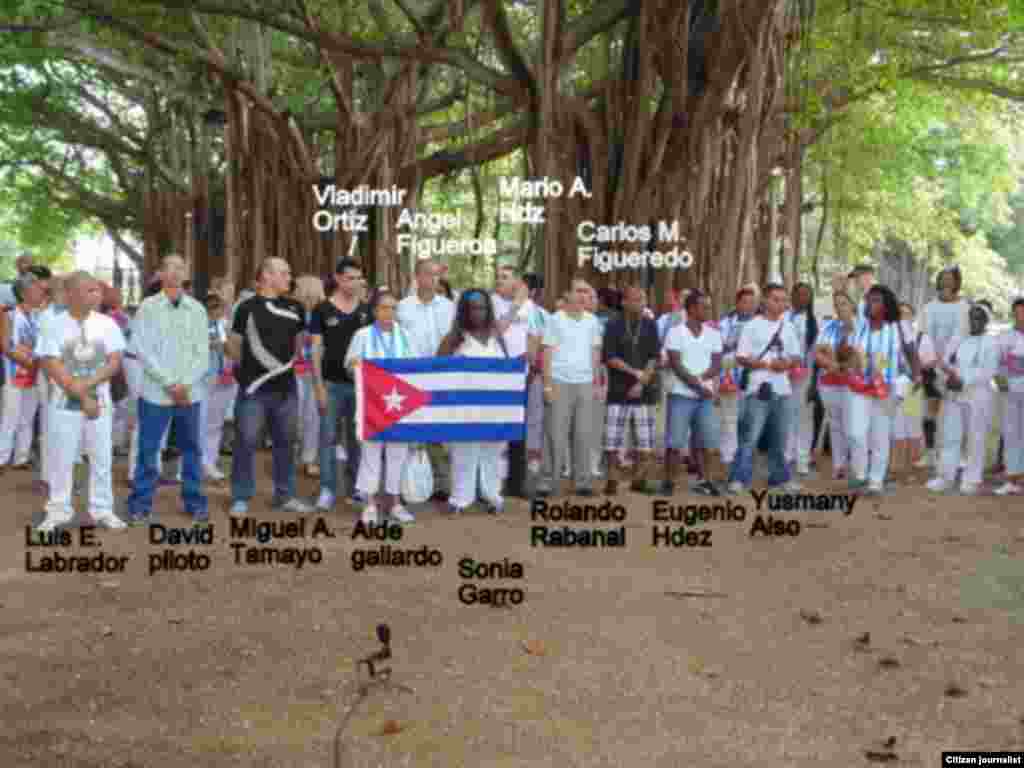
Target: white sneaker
{"x": 736, "y": 487}
{"x": 969, "y": 489}
{"x": 402, "y": 515}
{"x": 296, "y": 506}
{"x": 1008, "y": 489}
{"x": 51, "y": 523}
{"x": 325, "y": 502}
{"x": 370, "y": 516}
{"x": 110, "y": 520}
{"x": 212, "y": 473}
{"x": 936, "y": 485}
{"x": 875, "y": 488}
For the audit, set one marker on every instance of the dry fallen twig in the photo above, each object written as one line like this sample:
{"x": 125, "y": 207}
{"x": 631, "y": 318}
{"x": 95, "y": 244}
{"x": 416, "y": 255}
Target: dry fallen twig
{"x": 878, "y": 756}
{"x": 694, "y": 593}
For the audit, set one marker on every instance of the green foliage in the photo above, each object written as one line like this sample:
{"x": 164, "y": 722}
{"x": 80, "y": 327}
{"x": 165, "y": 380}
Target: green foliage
{"x": 919, "y": 166}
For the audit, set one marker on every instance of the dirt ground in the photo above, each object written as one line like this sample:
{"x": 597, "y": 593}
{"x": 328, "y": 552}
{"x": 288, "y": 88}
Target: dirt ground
{"x": 885, "y": 636}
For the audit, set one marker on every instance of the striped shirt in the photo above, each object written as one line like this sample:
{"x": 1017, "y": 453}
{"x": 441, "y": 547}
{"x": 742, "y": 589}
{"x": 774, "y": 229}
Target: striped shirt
{"x": 371, "y": 342}
{"x": 172, "y": 344}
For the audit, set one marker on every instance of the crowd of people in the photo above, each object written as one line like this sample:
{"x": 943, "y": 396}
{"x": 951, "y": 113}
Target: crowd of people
{"x": 614, "y": 392}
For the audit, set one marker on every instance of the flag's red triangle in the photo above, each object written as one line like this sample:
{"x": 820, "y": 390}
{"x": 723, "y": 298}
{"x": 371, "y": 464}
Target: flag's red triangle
{"x": 386, "y": 399}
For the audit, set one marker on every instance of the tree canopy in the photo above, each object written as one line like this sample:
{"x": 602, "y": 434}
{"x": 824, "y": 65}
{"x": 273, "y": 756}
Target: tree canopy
{"x": 821, "y": 130}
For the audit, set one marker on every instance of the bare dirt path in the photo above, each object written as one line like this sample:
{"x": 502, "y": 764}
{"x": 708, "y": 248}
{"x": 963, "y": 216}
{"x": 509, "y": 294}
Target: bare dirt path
{"x": 887, "y": 635}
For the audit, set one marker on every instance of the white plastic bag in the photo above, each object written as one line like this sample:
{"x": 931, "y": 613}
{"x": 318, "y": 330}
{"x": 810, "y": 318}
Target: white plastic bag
{"x": 417, "y": 477}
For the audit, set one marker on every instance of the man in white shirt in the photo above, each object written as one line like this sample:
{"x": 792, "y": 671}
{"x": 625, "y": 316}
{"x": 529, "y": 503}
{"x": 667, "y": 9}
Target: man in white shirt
{"x": 731, "y": 327}
{"x": 521, "y": 330}
{"x": 695, "y": 360}
{"x": 426, "y": 317}
{"x": 769, "y": 348}
{"x": 573, "y": 380}
{"x": 81, "y": 351}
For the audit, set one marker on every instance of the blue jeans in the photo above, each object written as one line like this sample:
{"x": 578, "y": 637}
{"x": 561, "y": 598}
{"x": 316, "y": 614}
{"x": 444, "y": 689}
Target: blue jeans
{"x": 770, "y": 418}
{"x": 153, "y": 422}
{"x": 686, "y": 413}
{"x": 252, "y": 412}
{"x": 341, "y": 400}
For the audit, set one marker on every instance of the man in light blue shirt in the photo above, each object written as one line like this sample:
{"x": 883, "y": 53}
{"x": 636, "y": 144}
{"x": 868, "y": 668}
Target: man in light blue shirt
{"x": 170, "y": 338}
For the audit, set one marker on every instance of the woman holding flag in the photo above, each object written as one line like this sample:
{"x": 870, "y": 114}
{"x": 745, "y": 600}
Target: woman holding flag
{"x": 379, "y": 461}
{"x": 832, "y": 379}
{"x": 881, "y": 377}
{"x": 475, "y": 334}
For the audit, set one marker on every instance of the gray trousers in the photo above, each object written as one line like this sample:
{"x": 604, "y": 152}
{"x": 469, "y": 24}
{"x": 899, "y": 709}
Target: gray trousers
{"x": 571, "y": 415}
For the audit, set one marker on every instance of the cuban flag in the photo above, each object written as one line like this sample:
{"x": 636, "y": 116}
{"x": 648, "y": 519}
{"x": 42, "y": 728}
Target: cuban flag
{"x": 441, "y": 399}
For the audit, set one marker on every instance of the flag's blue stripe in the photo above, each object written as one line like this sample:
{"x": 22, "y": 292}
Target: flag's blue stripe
{"x": 451, "y": 433}
{"x": 476, "y": 397}
{"x": 453, "y": 365}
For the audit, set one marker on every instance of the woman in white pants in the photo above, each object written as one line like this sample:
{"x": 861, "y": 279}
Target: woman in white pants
{"x": 1011, "y": 345}
{"x": 474, "y": 334}
{"x": 309, "y": 291}
{"x": 970, "y": 364}
{"x": 20, "y": 394}
{"x": 801, "y": 421}
{"x": 380, "y": 461}
{"x": 833, "y": 385}
{"x": 882, "y": 375}
{"x": 221, "y": 389}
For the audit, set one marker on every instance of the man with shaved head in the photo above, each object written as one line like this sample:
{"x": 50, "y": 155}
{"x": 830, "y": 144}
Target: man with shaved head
{"x": 265, "y": 336}
{"x": 81, "y": 351}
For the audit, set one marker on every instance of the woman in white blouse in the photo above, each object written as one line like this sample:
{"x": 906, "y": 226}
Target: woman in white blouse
{"x": 833, "y": 381}
{"x": 384, "y": 339}
{"x": 1011, "y": 370}
{"x": 474, "y": 334}
{"x": 970, "y": 365}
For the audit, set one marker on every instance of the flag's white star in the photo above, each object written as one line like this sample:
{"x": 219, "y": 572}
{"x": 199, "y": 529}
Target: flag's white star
{"x": 394, "y": 400}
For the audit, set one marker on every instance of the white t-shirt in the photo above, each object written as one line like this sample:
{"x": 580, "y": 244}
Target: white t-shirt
{"x": 573, "y": 342}
{"x": 977, "y": 362}
{"x": 799, "y": 321}
{"x": 1011, "y": 357}
{"x": 695, "y": 354}
{"x": 524, "y": 323}
{"x": 753, "y": 340}
{"x": 84, "y": 348}
{"x": 425, "y": 324}
{"x": 7, "y": 297}
{"x": 945, "y": 319}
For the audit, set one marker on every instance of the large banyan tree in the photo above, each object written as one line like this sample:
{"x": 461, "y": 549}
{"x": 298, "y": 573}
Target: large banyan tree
{"x": 668, "y": 110}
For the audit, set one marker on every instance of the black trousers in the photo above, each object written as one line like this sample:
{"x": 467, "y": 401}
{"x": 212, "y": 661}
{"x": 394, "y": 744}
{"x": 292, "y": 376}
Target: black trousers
{"x": 515, "y": 485}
